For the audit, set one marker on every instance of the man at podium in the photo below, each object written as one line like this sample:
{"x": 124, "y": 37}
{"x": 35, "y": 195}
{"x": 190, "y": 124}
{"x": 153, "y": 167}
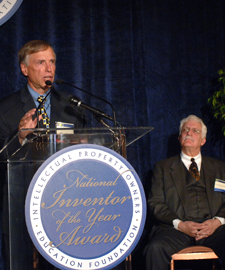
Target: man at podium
{"x": 37, "y": 104}
{"x": 18, "y": 111}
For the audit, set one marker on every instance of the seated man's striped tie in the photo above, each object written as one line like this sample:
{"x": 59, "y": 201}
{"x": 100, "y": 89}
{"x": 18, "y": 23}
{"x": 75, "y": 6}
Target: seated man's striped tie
{"x": 42, "y": 111}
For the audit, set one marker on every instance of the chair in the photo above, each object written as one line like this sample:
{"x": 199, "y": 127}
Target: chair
{"x": 194, "y": 253}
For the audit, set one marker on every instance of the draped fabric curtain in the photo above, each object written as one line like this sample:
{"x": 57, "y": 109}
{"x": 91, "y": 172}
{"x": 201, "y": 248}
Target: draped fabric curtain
{"x": 155, "y": 61}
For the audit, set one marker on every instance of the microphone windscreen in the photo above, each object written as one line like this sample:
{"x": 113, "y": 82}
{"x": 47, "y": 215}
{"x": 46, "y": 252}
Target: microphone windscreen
{"x": 49, "y": 83}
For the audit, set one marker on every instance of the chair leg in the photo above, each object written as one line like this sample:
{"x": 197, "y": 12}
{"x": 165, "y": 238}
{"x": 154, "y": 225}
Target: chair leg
{"x": 172, "y": 265}
{"x": 128, "y": 262}
{"x": 35, "y": 259}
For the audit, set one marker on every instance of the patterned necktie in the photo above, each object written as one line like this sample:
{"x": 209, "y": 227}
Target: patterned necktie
{"x": 42, "y": 111}
{"x": 193, "y": 169}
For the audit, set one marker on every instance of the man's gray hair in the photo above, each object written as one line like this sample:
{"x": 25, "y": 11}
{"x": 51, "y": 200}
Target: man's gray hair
{"x": 196, "y": 119}
{"x": 31, "y": 47}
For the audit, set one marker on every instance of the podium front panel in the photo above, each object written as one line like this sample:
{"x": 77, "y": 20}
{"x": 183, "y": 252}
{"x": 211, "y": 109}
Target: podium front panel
{"x": 21, "y": 246}
{"x": 21, "y": 167}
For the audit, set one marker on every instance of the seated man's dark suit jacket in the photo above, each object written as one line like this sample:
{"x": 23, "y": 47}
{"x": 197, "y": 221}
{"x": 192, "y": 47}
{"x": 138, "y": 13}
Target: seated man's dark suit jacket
{"x": 12, "y": 109}
{"x": 168, "y": 199}
{"x": 171, "y": 197}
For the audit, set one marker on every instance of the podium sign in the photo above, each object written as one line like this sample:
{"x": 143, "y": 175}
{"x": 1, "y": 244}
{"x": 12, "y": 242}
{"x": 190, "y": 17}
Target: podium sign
{"x": 68, "y": 226}
{"x": 85, "y": 208}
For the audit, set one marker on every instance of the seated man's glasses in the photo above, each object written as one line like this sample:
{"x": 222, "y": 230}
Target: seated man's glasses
{"x": 194, "y": 130}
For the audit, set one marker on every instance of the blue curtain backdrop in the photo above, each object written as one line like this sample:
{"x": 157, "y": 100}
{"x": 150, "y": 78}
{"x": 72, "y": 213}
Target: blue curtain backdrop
{"x": 156, "y": 61}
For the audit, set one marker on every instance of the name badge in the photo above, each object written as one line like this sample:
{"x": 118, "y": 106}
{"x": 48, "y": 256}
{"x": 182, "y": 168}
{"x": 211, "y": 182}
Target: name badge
{"x": 219, "y": 185}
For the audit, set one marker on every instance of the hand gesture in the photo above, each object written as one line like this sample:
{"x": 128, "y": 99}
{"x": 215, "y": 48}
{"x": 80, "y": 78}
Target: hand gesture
{"x": 27, "y": 122}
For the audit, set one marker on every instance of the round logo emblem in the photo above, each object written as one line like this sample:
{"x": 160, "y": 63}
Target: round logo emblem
{"x": 8, "y": 8}
{"x": 85, "y": 208}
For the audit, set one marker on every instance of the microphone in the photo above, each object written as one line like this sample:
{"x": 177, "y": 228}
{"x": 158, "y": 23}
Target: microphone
{"x": 60, "y": 82}
{"x": 74, "y": 101}
{"x": 48, "y": 82}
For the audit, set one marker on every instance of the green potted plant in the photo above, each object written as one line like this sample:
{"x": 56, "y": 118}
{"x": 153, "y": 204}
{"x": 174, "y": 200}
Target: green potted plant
{"x": 217, "y": 101}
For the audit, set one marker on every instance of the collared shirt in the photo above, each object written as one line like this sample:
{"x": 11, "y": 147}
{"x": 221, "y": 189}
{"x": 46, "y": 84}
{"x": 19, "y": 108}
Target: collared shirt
{"x": 35, "y": 96}
{"x": 187, "y": 160}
